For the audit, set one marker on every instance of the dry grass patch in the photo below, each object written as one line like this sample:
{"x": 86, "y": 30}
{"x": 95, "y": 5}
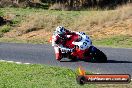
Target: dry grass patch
{"x": 35, "y": 23}
{"x": 98, "y": 19}
{"x": 40, "y": 36}
{"x": 119, "y": 28}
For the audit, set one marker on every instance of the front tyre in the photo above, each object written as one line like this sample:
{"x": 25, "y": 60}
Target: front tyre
{"x": 97, "y": 55}
{"x": 101, "y": 57}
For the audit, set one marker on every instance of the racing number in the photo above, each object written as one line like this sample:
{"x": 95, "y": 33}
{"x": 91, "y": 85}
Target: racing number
{"x": 85, "y": 43}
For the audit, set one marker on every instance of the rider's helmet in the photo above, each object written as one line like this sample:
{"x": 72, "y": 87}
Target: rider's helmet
{"x": 60, "y": 30}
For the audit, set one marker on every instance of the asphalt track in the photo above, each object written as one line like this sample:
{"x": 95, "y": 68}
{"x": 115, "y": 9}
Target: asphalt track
{"x": 119, "y": 59}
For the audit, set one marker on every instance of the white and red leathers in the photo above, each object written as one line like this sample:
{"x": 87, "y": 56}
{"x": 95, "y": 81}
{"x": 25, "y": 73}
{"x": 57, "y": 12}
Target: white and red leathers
{"x": 83, "y": 42}
{"x": 58, "y": 44}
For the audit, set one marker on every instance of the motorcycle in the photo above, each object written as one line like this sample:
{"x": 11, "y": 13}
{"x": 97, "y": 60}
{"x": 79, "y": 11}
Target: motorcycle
{"x": 91, "y": 54}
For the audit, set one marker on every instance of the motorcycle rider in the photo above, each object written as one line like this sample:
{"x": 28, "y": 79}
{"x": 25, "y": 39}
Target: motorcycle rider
{"x": 60, "y": 37}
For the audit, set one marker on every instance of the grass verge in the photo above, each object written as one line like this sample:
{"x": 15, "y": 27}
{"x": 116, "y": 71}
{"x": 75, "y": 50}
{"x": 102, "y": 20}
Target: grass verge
{"x": 42, "y": 76}
{"x": 122, "y": 41}
{"x": 37, "y": 76}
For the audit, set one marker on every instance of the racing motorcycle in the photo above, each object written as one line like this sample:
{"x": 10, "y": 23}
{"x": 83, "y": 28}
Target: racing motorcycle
{"x": 91, "y": 54}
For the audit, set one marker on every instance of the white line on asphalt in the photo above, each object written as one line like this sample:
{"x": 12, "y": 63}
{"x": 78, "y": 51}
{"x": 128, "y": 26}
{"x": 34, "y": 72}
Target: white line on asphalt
{"x": 26, "y": 63}
{"x": 10, "y": 61}
{"x": 14, "y": 62}
{"x": 18, "y": 62}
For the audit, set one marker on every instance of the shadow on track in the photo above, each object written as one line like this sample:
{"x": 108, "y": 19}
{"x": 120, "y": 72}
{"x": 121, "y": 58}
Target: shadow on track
{"x": 109, "y": 61}
{"x": 115, "y": 61}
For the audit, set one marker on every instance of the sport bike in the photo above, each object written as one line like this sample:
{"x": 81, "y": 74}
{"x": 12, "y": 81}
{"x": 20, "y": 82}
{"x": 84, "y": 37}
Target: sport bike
{"x": 91, "y": 54}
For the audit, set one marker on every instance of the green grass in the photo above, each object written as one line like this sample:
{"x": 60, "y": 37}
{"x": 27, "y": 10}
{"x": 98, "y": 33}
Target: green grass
{"x": 5, "y": 28}
{"x": 12, "y": 40}
{"x": 17, "y": 40}
{"x": 37, "y": 76}
{"x": 1, "y": 13}
{"x": 42, "y": 76}
{"x": 115, "y": 41}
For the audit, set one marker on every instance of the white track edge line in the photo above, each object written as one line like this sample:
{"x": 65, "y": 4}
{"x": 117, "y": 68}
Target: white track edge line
{"x": 13, "y": 62}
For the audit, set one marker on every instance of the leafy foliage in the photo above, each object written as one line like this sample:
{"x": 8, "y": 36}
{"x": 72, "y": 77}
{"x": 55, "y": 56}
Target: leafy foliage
{"x": 1, "y": 13}
{"x": 5, "y": 28}
{"x": 72, "y": 4}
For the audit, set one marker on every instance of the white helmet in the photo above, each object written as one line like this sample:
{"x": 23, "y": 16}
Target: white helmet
{"x": 60, "y": 30}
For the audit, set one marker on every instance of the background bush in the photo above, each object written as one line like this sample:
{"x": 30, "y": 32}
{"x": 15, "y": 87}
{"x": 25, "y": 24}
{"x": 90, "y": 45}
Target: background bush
{"x": 5, "y": 28}
{"x": 70, "y": 4}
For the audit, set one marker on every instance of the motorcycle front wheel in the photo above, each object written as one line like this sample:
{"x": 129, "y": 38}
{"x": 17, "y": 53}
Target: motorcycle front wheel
{"x": 97, "y": 55}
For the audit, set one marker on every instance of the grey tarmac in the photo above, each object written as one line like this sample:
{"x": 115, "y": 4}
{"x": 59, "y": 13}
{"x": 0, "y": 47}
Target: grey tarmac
{"x": 119, "y": 59}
